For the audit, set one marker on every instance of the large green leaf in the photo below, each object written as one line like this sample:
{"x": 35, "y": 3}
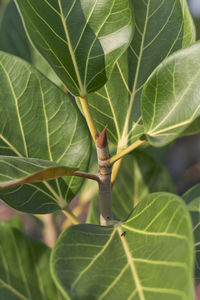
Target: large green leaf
{"x": 80, "y": 39}
{"x": 138, "y": 176}
{"x": 150, "y": 257}
{"x": 38, "y": 120}
{"x": 193, "y": 128}
{"x": 24, "y": 267}
{"x": 17, "y": 170}
{"x": 171, "y": 96}
{"x": 192, "y": 199}
{"x": 13, "y": 40}
{"x": 162, "y": 27}
{"x": 12, "y": 35}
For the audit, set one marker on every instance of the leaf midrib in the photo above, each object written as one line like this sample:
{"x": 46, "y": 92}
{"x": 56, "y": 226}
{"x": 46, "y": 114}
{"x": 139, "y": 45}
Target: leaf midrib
{"x": 82, "y": 92}
{"x": 132, "y": 265}
{"x": 124, "y": 134}
{"x": 17, "y": 108}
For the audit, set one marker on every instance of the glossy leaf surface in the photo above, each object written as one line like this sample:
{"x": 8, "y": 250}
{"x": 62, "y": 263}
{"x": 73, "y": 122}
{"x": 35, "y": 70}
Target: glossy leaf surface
{"x": 148, "y": 257}
{"x": 24, "y": 267}
{"x": 139, "y": 175}
{"x": 171, "y": 96}
{"x": 162, "y": 27}
{"x": 192, "y": 199}
{"x": 80, "y": 39}
{"x": 38, "y": 120}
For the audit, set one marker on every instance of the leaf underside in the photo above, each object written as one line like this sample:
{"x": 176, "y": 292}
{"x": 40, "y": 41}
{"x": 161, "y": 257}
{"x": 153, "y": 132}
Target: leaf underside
{"x": 171, "y": 96}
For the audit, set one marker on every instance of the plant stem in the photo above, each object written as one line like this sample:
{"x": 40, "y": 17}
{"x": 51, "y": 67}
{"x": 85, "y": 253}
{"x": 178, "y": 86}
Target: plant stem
{"x": 86, "y": 175}
{"x": 49, "y": 231}
{"x": 115, "y": 170}
{"x": 116, "y": 166}
{"x": 69, "y": 214}
{"x": 104, "y": 173}
{"x": 135, "y": 145}
{"x": 89, "y": 119}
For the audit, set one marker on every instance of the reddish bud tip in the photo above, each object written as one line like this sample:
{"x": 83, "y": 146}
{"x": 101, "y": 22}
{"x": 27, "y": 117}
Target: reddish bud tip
{"x": 102, "y": 139}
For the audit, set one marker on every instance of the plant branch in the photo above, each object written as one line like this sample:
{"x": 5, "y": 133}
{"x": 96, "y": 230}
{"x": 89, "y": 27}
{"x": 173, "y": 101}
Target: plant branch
{"x": 132, "y": 147}
{"x": 86, "y": 175}
{"x": 49, "y": 230}
{"x": 116, "y": 166}
{"x": 89, "y": 119}
{"x": 104, "y": 173}
{"x": 69, "y": 214}
{"x": 115, "y": 170}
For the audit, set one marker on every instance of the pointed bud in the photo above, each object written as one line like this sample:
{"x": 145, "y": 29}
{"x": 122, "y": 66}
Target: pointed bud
{"x": 102, "y": 139}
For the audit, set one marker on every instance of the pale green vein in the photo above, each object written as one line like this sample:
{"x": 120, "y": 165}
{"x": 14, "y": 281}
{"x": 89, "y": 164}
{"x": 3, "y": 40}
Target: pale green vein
{"x": 82, "y": 89}
{"x": 86, "y": 24}
{"x": 123, "y": 79}
{"x": 177, "y": 102}
{"x": 46, "y": 121}
{"x": 165, "y": 24}
{"x": 130, "y": 260}
{"x": 93, "y": 260}
{"x": 166, "y": 234}
{"x": 136, "y": 76}
{"x": 163, "y": 263}
{"x": 113, "y": 112}
{"x": 13, "y": 290}
{"x": 21, "y": 269}
{"x": 53, "y": 53}
{"x": 115, "y": 281}
{"x": 92, "y": 44}
{"x": 51, "y": 29}
{"x": 47, "y": 2}
{"x": 17, "y": 109}
{"x": 159, "y": 214}
{"x": 157, "y": 8}
{"x": 11, "y": 146}
{"x": 166, "y": 291}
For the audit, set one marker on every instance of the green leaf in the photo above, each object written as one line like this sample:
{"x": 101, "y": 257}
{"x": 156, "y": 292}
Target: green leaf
{"x": 161, "y": 27}
{"x": 80, "y": 39}
{"x": 170, "y": 97}
{"x": 13, "y": 38}
{"x": 139, "y": 175}
{"x": 148, "y": 257}
{"x": 17, "y": 170}
{"x": 24, "y": 267}
{"x": 192, "y": 199}
{"x": 40, "y": 121}
{"x": 193, "y": 128}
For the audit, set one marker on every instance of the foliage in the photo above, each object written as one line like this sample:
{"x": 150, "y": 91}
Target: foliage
{"x": 121, "y": 75}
